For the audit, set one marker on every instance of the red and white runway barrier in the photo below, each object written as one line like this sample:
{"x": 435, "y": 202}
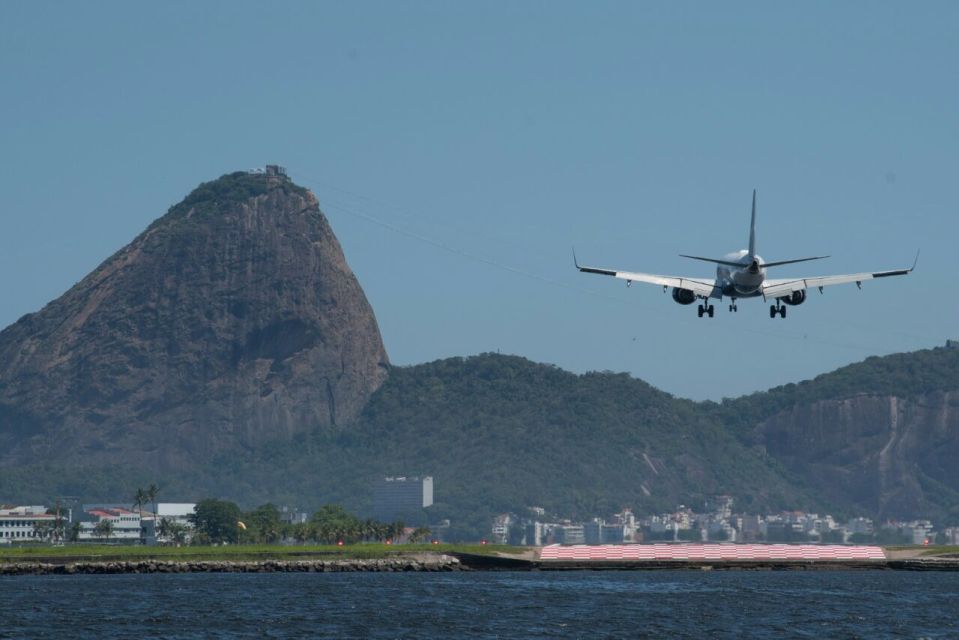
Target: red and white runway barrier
{"x": 711, "y": 552}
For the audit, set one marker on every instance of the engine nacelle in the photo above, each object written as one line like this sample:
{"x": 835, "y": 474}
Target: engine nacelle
{"x": 796, "y": 297}
{"x": 683, "y": 296}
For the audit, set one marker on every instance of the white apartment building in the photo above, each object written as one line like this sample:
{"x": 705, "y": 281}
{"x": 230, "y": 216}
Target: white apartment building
{"x": 18, "y": 524}
{"x": 126, "y": 525}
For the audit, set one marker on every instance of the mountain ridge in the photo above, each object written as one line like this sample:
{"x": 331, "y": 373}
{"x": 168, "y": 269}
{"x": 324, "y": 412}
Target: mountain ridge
{"x": 229, "y": 351}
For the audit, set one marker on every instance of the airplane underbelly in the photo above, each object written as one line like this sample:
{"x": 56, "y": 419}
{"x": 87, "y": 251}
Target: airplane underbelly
{"x": 747, "y": 284}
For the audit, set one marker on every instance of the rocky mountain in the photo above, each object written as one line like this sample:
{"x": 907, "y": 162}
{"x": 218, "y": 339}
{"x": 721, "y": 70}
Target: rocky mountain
{"x": 879, "y": 437}
{"x": 232, "y": 321}
{"x": 229, "y": 351}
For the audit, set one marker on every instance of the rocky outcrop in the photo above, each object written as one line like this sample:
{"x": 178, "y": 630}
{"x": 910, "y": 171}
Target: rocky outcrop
{"x": 885, "y": 455}
{"x": 232, "y": 321}
{"x": 421, "y": 562}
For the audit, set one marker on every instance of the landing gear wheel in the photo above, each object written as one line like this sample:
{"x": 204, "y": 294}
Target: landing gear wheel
{"x": 782, "y": 312}
{"x": 710, "y": 310}
{"x": 772, "y": 311}
{"x": 701, "y": 311}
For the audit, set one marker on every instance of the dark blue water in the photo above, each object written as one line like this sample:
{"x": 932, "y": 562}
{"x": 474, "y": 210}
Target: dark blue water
{"x": 869, "y": 604}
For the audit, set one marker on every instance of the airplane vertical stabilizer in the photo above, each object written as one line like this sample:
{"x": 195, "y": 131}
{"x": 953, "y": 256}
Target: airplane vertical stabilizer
{"x": 752, "y": 229}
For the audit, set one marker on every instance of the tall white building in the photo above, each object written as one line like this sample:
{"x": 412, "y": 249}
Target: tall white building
{"x": 402, "y": 498}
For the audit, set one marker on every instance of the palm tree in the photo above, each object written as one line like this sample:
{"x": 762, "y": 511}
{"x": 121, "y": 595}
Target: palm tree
{"x": 172, "y": 531}
{"x": 177, "y": 533}
{"x": 419, "y": 535}
{"x": 163, "y": 528}
{"x": 139, "y": 498}
{"x": 151, "y": 496}
{"x": 104, "y": 529}
{"x": 43, "y": 530}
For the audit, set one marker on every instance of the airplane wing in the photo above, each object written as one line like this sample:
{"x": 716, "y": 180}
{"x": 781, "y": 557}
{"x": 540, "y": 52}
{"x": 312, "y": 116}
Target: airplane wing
{"x": 698, "y": 286}
{"x": 780, "y": 288}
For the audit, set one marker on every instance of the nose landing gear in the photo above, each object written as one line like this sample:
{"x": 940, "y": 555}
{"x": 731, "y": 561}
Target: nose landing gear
{"x": 733, "y": 308}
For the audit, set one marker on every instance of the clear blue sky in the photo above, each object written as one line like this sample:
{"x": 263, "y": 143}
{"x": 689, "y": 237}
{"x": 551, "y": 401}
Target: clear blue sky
{"x": 460, "y": 149}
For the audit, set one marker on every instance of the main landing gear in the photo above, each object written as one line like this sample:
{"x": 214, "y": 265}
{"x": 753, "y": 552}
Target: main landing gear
{"x": 706, "y": 309}
{"x": 777, "y": 308}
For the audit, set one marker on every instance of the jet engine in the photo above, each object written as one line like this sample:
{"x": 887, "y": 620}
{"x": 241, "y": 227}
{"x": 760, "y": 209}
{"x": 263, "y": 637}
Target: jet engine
{"x": 683, "y": 296}
{"x": 796, "y": 297}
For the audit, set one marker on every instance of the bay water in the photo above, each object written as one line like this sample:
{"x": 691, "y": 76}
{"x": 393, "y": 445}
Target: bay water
{"x": 582, "y": 604}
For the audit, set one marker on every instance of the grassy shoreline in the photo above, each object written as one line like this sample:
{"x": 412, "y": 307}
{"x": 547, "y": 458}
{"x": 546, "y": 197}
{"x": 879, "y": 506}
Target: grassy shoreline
{"x": 105, "y": 552}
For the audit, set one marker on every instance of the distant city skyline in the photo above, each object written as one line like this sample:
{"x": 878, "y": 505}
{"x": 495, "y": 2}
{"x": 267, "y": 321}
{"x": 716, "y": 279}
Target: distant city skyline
{"x": 460, "y": 151}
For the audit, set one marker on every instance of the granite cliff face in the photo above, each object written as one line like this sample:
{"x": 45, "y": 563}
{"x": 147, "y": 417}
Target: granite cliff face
{"x": 880, "y": 454}
{"x": 232, "y": 321}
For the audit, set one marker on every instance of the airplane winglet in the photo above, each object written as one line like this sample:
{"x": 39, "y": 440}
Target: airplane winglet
{"x": 575, "y": 262}
{"x": 915, "y": 262}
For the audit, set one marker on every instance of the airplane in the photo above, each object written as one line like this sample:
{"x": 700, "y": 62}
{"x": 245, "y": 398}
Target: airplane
{"x": 742, "y": 274}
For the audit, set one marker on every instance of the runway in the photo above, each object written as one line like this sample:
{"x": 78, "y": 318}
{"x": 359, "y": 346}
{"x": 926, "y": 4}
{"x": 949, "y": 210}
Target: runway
{"x": 711, "y": 552}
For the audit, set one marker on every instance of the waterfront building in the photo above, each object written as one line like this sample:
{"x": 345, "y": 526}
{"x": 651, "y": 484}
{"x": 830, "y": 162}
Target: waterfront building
{"x": 501, "y": 526}
{"x": 536, "y": 534}
{"x": 19, "y": 524}
{"x": 177, "y": 513}
{"x": 124, "y": 524}
{"x": 860, "y": 525}
{"x": 570, "y": 534}
{"x": 592, "y": 532}
{"x": 917, "y": 531}
{"x": 289, "y": 515}
{"x": 402, "y": 498}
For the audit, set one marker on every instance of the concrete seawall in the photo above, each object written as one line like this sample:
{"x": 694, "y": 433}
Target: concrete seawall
{"x": 535, "y": 561}
{"x": 424, "y": 562}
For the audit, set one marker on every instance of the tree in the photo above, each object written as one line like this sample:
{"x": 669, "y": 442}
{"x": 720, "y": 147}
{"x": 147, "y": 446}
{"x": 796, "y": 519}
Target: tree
{"x": 833, "y": 536}
{"x": 43, "y": 530}
{"x": 301, "y": 532}
{"x": 264, "y": 522}
{"x": 151, "y": 496}
{"x": 419, "y": 534}
{"x": 396, "y": 529}
{"x": 139, "y": 499}
{"x": 217, "y": 520}
{"x": 333, "y": 524}
{"x": 104, "y": 529}
{"x": 171, "y": 531}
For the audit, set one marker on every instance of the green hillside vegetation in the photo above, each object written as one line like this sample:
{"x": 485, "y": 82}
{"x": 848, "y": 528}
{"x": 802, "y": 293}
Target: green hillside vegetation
{"x": 905, "y": 375}
{"x": 501, "y": 433}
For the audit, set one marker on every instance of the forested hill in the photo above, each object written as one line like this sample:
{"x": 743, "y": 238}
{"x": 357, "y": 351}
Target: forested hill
{"x": 904, "y": 375}
{"x": 501, "y": 433}
{"x": 879, "y": 437}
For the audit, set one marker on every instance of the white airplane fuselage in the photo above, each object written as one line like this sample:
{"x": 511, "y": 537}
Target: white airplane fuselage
{"x": 741, "y": 282}
{"x": 742, "y": 274}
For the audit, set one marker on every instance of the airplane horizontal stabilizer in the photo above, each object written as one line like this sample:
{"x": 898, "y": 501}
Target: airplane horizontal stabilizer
{"x": 780, "y": 263}
{"x": 725, "y": 262}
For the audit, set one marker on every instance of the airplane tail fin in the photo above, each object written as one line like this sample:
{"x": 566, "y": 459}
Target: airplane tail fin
{"x": 752, "y": 229}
